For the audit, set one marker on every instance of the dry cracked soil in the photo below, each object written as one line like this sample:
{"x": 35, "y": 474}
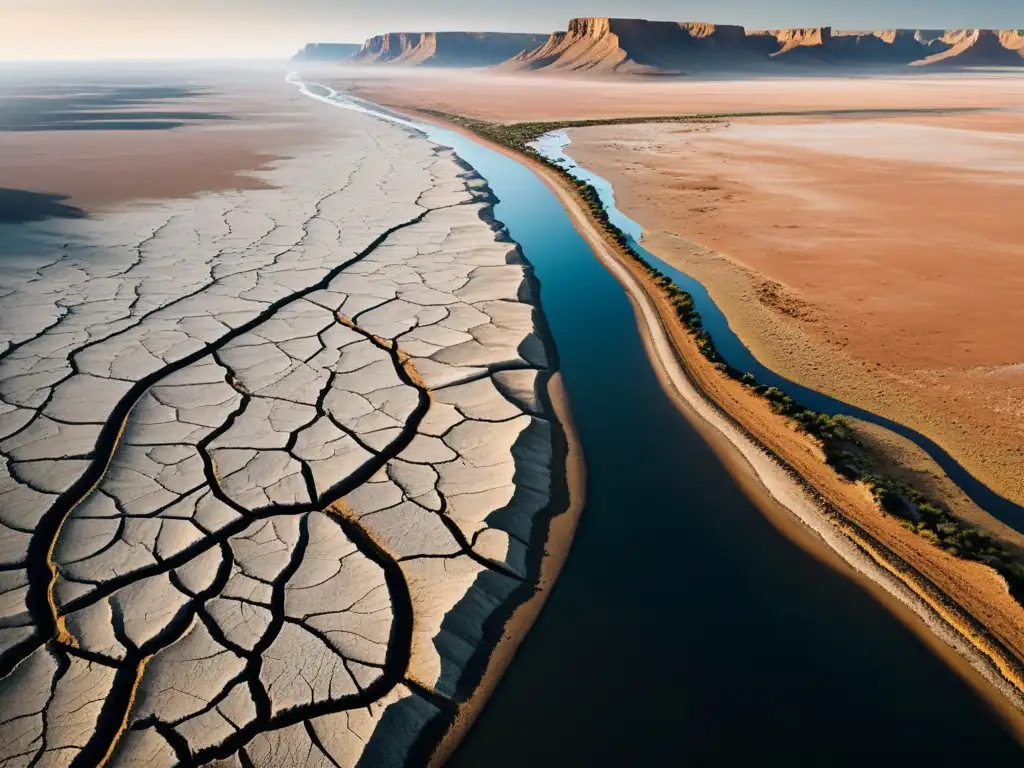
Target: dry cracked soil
{"x": 272, "y": 458}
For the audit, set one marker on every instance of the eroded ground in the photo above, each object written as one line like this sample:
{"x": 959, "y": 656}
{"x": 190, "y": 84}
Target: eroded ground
{"x": 271, "y": 460}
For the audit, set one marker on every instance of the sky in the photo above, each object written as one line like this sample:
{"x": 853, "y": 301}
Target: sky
{"x": 155, "y": 29}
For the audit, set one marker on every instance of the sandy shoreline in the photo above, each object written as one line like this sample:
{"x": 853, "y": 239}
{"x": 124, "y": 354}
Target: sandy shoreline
{"x": 559, "y": 542}
{"x": 794, "y": 510}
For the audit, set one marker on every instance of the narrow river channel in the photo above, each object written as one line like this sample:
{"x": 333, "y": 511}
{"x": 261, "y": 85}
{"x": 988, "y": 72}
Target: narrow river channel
{"x": 685, "y": 629}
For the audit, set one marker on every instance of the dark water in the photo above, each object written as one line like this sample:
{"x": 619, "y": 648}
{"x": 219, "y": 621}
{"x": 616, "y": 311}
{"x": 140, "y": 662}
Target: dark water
{"x": 35, "y": 99}
{"x": 733, "y": 350}
{"x": 684, "y": 629}
{"x": 19, "y": 206}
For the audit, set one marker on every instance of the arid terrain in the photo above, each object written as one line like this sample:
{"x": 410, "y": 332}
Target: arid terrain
{"x": 278, "y": 447}
{"x": 503, "y": 97}
{"x": 116, "y": 137}
{"x": 287, "y": 466}
{"x": 876, "y": 259}
{"x": 870, "y": 255}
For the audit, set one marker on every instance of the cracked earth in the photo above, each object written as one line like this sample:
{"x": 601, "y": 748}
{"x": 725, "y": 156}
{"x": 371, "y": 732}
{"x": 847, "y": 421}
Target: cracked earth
{"x": 271, "y": 459}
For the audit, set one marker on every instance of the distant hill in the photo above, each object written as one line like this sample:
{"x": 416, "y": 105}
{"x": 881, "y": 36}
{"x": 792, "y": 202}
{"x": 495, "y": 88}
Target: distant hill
{"x": 445, "y": 49}
{"x": 327, "y": 52}
{"x": 638, "y": 46}
{"x": 916, "y": 47}
{"x": 980, "y": 48}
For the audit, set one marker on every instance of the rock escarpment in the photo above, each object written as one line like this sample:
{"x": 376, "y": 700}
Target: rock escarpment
{"x": 918, "y": 47}
{"x": 980, "y": 48}
{"x": 445, "y": 49}
{"x": 638, "y": 46}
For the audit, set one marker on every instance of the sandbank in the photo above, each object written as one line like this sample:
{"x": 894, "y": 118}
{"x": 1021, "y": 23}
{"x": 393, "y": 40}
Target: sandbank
{"x": 874, "y": 259}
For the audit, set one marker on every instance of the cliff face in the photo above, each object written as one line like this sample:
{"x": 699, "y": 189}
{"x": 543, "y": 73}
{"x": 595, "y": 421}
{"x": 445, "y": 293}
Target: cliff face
{"x": 917, "y": 47}
{"x": 389, "y": 47}
{"x": 637, "y": 46}
{"x": 445, "y": 49}
{"x": 327, "y": 52}
{"x": 827, "y": 46}
{"x": 604, "y": 44}
{"x": 979, "y": 48}
{"x": 811, "y": 37}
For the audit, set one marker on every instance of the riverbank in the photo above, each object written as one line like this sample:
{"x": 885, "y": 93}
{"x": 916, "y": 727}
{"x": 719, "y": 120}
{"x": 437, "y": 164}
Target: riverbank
{"x": 981, "y": 621}
{"x": 557, "y": 543}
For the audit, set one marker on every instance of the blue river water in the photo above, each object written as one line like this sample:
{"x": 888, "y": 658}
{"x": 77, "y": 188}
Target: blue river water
{"x": 685, "y": 629}
{"x": 736, "y": 353}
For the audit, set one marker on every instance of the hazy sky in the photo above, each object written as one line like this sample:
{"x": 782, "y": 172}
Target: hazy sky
{"x": 118, "y": 29}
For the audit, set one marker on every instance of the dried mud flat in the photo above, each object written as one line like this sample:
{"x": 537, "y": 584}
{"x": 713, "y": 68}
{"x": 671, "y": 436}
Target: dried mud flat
{"x": 275, "y": 462}
{"x": 873, "y": 259}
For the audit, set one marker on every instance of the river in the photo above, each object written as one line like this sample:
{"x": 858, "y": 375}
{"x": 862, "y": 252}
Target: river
{"x": 685, "y": 629}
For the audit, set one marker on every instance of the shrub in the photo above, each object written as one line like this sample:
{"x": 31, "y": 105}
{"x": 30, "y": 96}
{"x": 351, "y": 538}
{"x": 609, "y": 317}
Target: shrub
{"x": 929, "y": 536}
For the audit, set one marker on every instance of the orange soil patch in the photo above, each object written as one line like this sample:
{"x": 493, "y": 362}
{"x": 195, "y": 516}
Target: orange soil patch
{"x": 875, "y": 259}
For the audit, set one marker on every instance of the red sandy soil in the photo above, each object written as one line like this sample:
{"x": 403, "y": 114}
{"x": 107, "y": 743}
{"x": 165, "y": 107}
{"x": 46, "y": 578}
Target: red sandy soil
{"x": 878, "y": 259}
